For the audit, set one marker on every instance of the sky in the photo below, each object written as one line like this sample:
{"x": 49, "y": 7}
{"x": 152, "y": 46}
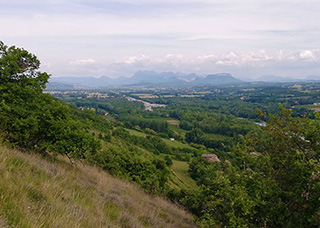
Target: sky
{"x": 247, "y": 38}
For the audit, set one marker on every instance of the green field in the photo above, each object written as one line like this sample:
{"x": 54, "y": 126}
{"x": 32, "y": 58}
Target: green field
{"x": 136, "y": 133}
{"x": 180, "y": 178}
{"x": 216, "y": 137}
{"x": 176, "y": 144}
{"x": 170, "y": 143}
{"x": 177, "y": 130}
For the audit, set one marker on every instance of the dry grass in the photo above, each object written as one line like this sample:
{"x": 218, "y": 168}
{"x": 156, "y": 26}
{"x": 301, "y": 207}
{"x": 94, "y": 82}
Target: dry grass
{"x": 173, "y": 122}
{"x": 35, "y": 192}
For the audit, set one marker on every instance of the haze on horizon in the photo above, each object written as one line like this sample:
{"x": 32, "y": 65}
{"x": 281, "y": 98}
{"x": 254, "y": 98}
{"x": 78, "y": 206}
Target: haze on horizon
{"x": 246, "y": 38}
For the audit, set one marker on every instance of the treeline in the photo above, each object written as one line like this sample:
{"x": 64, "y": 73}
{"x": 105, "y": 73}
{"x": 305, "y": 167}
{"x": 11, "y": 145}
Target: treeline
{"x": 197, "y": 136}
{"x": 156, "y": 125}
{"x": 116, "y": 106}
{"x": 214, "y": 123}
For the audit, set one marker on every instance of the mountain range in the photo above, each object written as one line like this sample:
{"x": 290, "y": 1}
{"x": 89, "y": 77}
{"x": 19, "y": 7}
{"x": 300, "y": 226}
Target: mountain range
{"x": 151, "y": 78}
{"x": 144, "y": 78}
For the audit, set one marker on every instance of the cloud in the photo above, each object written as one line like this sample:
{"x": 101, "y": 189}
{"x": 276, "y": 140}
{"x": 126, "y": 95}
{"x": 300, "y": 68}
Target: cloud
{"x": 134, "y": 59}
{"x": 82, "y": 62}
{"x": 240, "y": 63}
{"x": 308, "y": 55}
{"x": 253, "y": 58}
{"x": 121, "y": 36}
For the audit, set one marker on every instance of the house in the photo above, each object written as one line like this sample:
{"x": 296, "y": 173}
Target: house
{"x": 211, "y": 157}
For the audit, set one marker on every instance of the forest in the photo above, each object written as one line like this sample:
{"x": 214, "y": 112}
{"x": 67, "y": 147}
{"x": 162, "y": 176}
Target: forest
{"x": 266, "y": 137}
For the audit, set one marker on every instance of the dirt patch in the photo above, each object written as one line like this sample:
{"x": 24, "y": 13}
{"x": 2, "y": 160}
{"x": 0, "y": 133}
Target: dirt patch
{"x": 316, "y": 109}
{"x": 173, "y": 122}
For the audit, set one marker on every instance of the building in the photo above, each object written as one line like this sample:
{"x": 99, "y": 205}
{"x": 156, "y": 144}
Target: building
{"x": 211, "y": 157}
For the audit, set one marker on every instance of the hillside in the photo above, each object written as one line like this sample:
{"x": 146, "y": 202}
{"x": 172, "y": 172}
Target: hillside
{"x": 37, "y": 192}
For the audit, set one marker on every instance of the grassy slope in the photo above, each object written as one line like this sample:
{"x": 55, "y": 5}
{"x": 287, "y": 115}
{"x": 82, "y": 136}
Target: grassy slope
{"x": 180, "y": 178}
{"x": 38, "y": 193}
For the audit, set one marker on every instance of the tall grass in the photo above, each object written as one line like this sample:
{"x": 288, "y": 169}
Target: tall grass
{"x": 37, "y": 192}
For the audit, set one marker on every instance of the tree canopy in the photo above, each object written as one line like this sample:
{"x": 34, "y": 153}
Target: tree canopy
{"x": 31, "y": 119}
{"x": 272, "y": 179}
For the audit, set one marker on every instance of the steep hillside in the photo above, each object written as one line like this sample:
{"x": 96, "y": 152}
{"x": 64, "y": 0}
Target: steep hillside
{"x": 37, "y": 192}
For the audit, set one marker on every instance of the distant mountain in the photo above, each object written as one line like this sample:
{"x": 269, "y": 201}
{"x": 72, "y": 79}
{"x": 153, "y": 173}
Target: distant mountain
{"x": 217, "y": 79}
{"x": 313, "y": 78}
{"x": 147, "y": 77}
{"x": 274, "y": 78}
{"x": 143, "y": 78}
{"x": 165, "y": 78}
{"x": 60, "y": 86}
{"x": 83, "y": 81}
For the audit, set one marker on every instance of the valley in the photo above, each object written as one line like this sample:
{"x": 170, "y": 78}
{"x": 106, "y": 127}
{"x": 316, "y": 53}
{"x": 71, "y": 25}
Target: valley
{"x": 232, "y": 154}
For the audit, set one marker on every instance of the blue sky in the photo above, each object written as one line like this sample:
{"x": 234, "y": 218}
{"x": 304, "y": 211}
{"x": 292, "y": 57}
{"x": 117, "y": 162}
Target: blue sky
{"x": 248, "y": 38}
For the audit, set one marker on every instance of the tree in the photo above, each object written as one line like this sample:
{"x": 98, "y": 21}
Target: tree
{"x": 195, "y": 136}
{"x": 21, "y": 87}
{"x": 31, "y": 119}
{"x": 18, "y": 66}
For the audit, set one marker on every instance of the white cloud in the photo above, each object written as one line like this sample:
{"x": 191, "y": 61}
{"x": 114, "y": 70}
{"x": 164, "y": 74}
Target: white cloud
{"x": 239, "y": 63}
{"x": 308, "y": 55}
{"x": 82, "y": 61}
{"x": 134, "y": 59}
{"x": 232, "y": 58}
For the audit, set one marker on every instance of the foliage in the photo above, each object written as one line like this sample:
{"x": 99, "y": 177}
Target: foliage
{"x": 31, "y": 119}
{"x": 272, "y": 179}
{"x": 130, "y": 162}
{"x": 152, "y": 143}
{"x": 158, "y": 126}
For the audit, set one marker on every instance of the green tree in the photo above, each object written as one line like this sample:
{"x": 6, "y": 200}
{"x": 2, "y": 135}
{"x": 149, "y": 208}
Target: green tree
{"x": 20, "y": 68}
{"x": 195, "y": 136}
{"x": 31, "y": 119}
